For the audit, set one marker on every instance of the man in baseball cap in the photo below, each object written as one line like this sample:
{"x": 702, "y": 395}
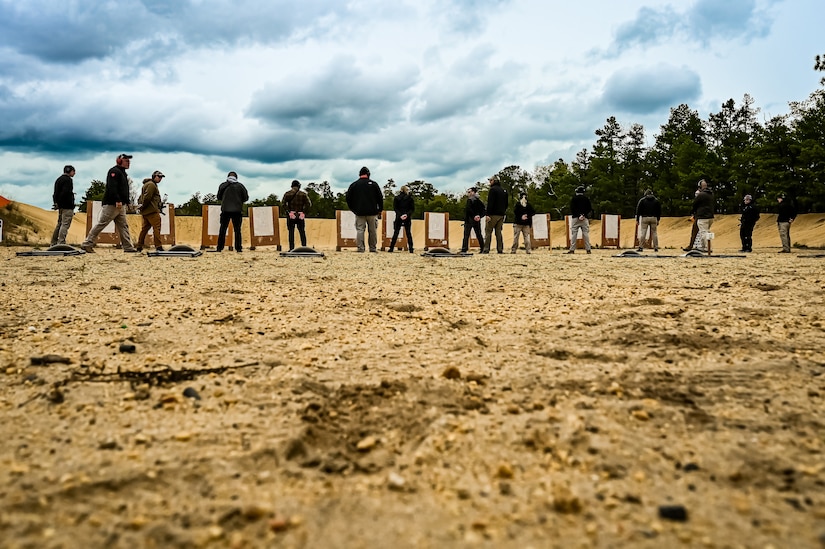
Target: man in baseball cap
{"x": 150, "y": 204}
{"x": 115, "y": 202}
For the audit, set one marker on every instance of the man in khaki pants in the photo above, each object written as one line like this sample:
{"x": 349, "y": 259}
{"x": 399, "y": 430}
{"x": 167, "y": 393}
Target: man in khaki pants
{"x": 150, "y": 204}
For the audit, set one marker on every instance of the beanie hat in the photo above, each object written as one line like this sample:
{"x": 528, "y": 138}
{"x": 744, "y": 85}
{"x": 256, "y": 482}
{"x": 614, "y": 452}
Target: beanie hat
{"x": 364, "y": 171}
{"x": 296, "y": 183}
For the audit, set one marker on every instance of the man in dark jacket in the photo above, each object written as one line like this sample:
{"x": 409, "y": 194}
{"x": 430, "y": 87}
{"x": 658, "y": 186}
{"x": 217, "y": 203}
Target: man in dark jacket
{"x": 786, "y": 213}
{"x": 115, "y": 200}
{"x": 523, "y": 214}
{"x": 474, "y": 210}
{"x": 232, "y": 195}
{"x": 403, "y": 205}
{"x": 496, "y": 210}
{"x": 296, "y": 204}
{"x": 648, "y": 214}
{"x": 365, "y": 200}
{"x": 703, "y": 208}
{"x": 63, "y": 199}
{"x": 580, "y": 210}
{"x": 150, "y": 204}
{"x": 750, "y": 215}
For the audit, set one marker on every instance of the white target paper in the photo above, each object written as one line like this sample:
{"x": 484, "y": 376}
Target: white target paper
{"x": 437, "y": 226}
{"x": 263, "y": 222}
{"x": 540, "y": 229}
{"x": 213, "y": 222}
{"x": 97, "y": 210}
{"x": 347, "y": 228}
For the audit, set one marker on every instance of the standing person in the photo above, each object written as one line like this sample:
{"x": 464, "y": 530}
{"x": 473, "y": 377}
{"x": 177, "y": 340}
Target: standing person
{"x": 648, "y": 214}
{"x": 786, "y": 213}
{"x": 474, "y": 210}
{"x": 297, "y": 205}
{"x": 750, "y": 215}
{"x": 580, "y": 210}
{"x": 232, "y": 195}
{"x": 365, "y": 200}
{"x": 404, "y": 206}
{"x": 703, "y": 208}
{"x": 63, "y": 199}
{"x": 496, "y": 210}
{"x": 694, "y": 228}
{"x": 115, "y": 200}
{"x": 523, "y": 213}
{"x": 150, "y": 204}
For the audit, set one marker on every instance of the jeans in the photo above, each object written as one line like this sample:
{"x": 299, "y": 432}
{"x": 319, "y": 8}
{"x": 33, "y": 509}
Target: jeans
{"x": 785, "y": 235}
{"x": 109, "y": 213}
{"x": 524, "y": 230}
{"x": 396, "y": 229}
{"x": 701, "y": 237}
{"x": 64, "y": 221}
{"x": 370, "y": 223}
{"x": 468, "y": 227}
{"x": 150, "y": 221}
{"x": 653, "y": 223}
{"x": 495, "y": 222}
{"x": 235, "y": 218}
{"x": 291, "y": 225}
{"x": 575, "y": 225}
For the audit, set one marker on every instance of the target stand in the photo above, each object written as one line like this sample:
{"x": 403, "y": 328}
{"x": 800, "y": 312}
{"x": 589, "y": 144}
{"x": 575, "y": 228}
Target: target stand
{"x": 179, "y": 250}
{"x": 58, "y": 250}
{"x": 302, "y": 251}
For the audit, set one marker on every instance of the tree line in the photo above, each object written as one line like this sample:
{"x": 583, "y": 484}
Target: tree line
{"x": 735, "y": 151}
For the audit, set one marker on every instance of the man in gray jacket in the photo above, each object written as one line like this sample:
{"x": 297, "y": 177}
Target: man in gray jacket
{"x": 232, "y": 195}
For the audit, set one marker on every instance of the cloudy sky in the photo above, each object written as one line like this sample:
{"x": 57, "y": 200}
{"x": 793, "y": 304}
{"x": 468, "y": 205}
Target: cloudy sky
{"x": 446, "y": 91}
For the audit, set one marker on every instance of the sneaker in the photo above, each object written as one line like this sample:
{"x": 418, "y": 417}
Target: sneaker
{"x": 373, "y": 251}
{"x": 389, "y": 251}
{"x": 655, "y": 249}
{"x": 88, "y": 248}
{"x": 640, "y": 249}
{"x": 687, "y": 248}
{"x": 571, "y": 252}
{"x": 238, "y": 250}
{"x": 131, "y": 251}
{"x": 159, "y": 249}
{"x": 784, "y": 251}
{"x": 588, "y": 252}
{"x": 139, "y": 249}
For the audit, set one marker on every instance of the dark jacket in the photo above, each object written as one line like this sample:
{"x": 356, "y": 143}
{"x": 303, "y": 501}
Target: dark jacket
{"x": 703, "y": 205}
{"x": 63, "y": 196}
{"x": 474, "y": 207}
{"x": 520, "y": 210}
{"x": 117, "y": 187}
{"x": 786, "y": 211}
{"x": 296, "y": 200}
{"x": 649, "y": 206}
{"x": 580, "y": 205}
{"x": 403, "y": 204}
{"x": 232, "y": 195}
{"x": 496, "y": 200}
{"x": 364, "y": 197}
{"x": 750, "y": 214}
{"x": 149, "y": 198}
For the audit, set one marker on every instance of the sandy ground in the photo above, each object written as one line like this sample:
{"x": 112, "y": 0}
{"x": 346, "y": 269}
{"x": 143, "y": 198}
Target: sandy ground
{"x": 391, "y": 400}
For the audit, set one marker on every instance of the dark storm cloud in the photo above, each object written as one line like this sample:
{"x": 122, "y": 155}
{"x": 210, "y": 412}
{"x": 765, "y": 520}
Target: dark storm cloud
{"x": 703, "y": 22}
{"x": 343, "y": 97}
{"x": 646, "y": 90}
{"x": 72, "y": 32}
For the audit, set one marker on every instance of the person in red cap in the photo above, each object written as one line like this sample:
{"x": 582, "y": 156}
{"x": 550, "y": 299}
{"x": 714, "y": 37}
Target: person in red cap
{"x": 150, "y": 204}
{"x": 115, "y": 200}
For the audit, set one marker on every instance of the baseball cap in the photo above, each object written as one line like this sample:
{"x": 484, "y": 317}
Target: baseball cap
{"x": 157, "y": 173}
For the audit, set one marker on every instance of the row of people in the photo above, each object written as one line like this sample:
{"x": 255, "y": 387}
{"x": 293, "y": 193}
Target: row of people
{"x": 365, "y": 199}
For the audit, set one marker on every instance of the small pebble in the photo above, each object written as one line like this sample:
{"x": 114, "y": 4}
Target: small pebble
{"x": 189, "y": 392}
{"x": 127, "y": 348}
{"x": 676, "y": 513}
{"x": 395, "y": 482}
{"x": 452, "y": 373}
